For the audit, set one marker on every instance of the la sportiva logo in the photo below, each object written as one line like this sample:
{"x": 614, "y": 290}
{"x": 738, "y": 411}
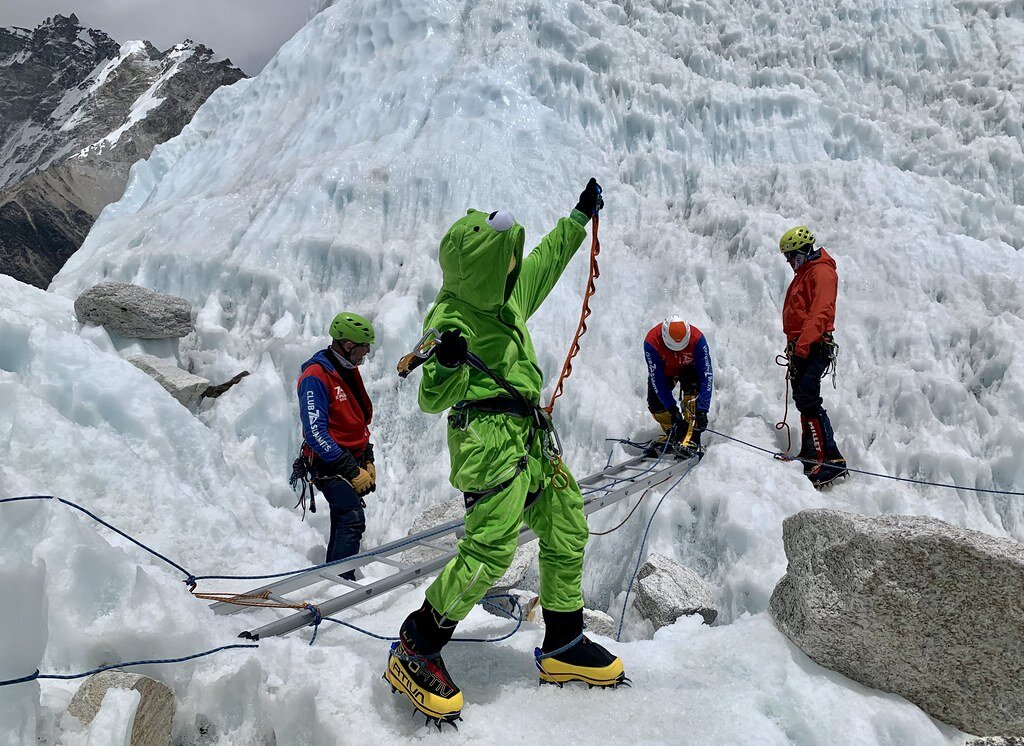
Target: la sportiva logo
{"x": 407, "y": 683}
{"x": 339, "y": 394}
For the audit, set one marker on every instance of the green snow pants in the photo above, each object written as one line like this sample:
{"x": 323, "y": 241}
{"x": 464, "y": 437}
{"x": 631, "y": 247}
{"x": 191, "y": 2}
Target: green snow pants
{"x": 492, "y": 527}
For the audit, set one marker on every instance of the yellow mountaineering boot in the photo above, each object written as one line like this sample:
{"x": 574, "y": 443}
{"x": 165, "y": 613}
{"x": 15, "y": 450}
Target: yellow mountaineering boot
{"x": 415, "y": 667}
{"x": 568, "y": 655}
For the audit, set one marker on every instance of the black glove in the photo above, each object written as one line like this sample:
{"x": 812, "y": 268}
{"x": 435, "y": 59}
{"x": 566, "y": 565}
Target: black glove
{"x": 451, "y": 349}
{"x": 700, "y": 421}
{"x": 590, "y": 199}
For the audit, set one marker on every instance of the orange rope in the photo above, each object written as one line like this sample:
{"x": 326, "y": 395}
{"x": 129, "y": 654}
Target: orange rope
{"x": 246, "y": 599}
{"x": 581, "y": 328}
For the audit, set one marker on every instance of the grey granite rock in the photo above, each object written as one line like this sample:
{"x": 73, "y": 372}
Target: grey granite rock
{"x": 133, "y": 311}
{"x": 182, "y": 385}
{"x": 153, "y": 716}
{"x": 665, "y": 591}
{"x": 913, "y": 606}
{"x": 454, "y": 510}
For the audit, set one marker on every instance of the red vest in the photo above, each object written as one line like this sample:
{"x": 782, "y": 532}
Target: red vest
{"x": 349, "y": 410}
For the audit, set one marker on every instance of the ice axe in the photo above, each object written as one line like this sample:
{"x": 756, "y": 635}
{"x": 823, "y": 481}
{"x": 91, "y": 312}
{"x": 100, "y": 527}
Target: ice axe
{"x": 420, "y": 354}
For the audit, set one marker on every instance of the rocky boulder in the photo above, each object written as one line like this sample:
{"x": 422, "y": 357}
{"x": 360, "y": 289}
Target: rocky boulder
{"x": 182, "y": 385}
{"x": 913, "y": 606}
{"x": 186, "y": 387}
{"x": 153, "y": 714}
{"x": 665, "y": 591}
{"x": 600, "y": 622}
{"x": 134, "y": 311}
{"x": 432, "y": 517}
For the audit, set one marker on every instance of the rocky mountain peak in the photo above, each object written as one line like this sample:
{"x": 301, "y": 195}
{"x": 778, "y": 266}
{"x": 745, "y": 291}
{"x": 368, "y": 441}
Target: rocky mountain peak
{"x": 77, "y": 109}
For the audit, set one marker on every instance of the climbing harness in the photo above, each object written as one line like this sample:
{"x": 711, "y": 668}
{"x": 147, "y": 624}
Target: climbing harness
{"x": 833, "y": 356}
{"x": 551, "y": 445}
{"x": 515, "y": 404}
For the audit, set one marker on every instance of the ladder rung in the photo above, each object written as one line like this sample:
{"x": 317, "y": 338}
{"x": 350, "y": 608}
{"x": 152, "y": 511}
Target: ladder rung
{"x": 393, "y": 563}
{"x": 340, "y": 580}
{"x": 644, "y": 469}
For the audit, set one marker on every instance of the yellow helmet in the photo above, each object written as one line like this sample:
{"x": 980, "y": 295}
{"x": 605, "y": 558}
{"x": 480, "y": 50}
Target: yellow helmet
{"x": 797, "y": 239}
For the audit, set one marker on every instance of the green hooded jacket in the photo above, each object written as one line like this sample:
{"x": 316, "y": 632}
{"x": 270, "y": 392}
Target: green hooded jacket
{"x": 490, "y": 305}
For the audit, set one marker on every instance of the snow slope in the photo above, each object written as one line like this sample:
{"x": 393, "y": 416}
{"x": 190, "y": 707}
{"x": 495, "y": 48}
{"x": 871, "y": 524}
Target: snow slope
{"x": 325, "y": 184}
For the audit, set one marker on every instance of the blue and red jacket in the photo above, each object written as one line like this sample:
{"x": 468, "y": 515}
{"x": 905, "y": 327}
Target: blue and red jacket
{"x": 335, "y": 412}
{"x": 664, "y": 366}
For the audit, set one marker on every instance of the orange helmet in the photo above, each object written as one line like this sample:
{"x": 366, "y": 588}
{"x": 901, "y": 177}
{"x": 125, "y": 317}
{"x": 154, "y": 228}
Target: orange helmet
{"x": 675, "y": 333}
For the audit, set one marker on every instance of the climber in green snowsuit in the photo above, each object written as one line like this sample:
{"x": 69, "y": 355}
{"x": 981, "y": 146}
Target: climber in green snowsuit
{"x": 497, "y": 459}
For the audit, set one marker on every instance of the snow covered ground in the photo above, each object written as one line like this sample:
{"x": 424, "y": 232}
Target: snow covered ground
{"x": 893, "y": 130}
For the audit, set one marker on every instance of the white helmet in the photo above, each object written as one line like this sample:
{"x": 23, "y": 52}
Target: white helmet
{"x": 675, "y": 333}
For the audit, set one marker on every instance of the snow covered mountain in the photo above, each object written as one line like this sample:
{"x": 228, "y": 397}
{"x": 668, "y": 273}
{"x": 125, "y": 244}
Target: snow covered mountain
{"x": 893, "y": 130}
{"x": 76, "y": 111}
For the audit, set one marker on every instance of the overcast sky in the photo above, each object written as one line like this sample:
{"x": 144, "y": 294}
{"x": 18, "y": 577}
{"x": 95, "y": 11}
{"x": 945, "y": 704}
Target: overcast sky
{"x": 247, "y": 31}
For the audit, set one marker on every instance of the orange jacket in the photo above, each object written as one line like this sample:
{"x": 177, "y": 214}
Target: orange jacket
{"x": 810, "y": 308}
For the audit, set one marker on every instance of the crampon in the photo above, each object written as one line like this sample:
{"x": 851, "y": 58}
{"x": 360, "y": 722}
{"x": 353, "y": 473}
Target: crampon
{"x": 584, "y": 661}
{"x": 427, "y": 684}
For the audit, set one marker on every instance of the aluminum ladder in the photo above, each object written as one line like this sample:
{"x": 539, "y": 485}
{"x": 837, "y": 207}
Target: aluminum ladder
{"x": 599, "y": 490}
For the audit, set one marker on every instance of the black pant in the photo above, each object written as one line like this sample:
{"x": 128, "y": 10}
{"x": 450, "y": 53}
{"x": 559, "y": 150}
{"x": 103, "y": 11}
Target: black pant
{"x": 805, "y": 378}
{"x": 818, "y": 441}
{"x": 348, "y": 522}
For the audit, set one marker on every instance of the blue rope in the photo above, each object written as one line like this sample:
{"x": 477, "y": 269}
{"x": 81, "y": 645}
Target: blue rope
{"x": 871, "y": 473}
{"x": 518, "y": 610}
{"x": 186, "y": 573}
{"x": 31, "y": 677}
{"x": 37, "y": 675}
{"x": 615, "y": 482}
{"x": 315, "y": 621}
{"x": 640, "y": 555}
{"x": 191, "y": 579}
{"x": 540, "y": 655}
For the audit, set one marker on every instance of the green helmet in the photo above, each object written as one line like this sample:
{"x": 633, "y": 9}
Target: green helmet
{"x": 797, "y": 239}
{"x": 353, "y": 327}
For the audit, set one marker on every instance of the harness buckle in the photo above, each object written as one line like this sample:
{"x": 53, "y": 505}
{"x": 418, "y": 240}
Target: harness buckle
{"x": 458, "y": 418}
